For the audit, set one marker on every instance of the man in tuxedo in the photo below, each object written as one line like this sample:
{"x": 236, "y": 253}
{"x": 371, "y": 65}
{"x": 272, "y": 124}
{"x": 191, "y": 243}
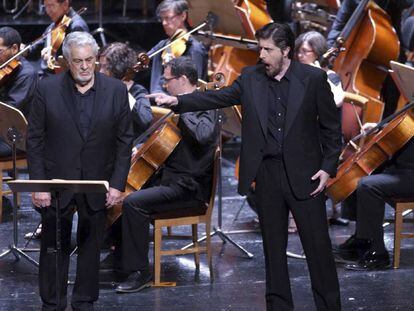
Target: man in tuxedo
{"x": 79, "y": 128}
{"x": 291, "y": 143}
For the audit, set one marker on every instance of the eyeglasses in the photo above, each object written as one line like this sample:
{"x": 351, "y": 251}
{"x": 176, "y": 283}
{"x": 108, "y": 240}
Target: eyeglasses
{"x": 4, "y": 50}
{"x": 166, "y": 80}
{"x": 305, "y": 51}
{"x": 167, "y": 19}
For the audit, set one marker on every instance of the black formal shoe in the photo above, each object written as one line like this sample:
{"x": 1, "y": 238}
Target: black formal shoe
{"x": 136, "y": 282}
{"x": 371, "y": 260}
{"x": 352, "y": 249}
{"x": 339, "y": 221}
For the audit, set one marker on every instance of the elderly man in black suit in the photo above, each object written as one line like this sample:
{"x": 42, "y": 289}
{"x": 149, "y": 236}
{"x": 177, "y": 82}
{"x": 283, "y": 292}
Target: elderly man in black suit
{"x": 79, "y": 128}
{"x": 291, "y": 140}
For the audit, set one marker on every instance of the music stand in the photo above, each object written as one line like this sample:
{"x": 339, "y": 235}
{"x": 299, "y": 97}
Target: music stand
{"x": 56, "y": 187}
{"x": 13, "y": 127}
{"x": 403, "y": 76}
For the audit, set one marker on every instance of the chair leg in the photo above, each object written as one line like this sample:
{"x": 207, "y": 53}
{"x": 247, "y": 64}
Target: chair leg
{"x": 194, "y": 230}
{"x": 169, "y": 231}
{"x": 157, "y": 256}
{"x": 208, "y": 247}
{"x": 397, "y": 236}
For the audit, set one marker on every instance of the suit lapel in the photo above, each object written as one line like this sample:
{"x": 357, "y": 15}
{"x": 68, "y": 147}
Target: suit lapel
{"x": 261, "y": 91}
{"x": 70, "y": 101}
{"x": 297, "y": 87}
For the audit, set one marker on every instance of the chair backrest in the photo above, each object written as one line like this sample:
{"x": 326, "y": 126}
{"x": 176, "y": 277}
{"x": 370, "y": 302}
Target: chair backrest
{"x": 216, "y": 172}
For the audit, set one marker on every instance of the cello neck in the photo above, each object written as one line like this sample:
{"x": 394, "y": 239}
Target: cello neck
{"x": 353, "y": 21}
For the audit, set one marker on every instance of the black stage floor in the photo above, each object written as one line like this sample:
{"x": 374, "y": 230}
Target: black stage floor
{"x": 239, "y": 283}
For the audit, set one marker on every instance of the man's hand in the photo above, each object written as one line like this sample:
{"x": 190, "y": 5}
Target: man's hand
{"x": 41, "y": 199}
{"x": 323, "y": 178}
{"x": 45, "y": 53}
{"x": 368, "y": 126}
{"x": 113, "y": 197}
{"x": 162, "y": 99}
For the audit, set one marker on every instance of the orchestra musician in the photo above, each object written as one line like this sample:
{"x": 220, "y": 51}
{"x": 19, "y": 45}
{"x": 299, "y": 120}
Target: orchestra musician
{"x": 17, "y": 88}
{"x": 309, "y": 49}
{"x": 291, "y": 144}
{"x": 117, "y": 60}
{"x": 79, "y": 129}
{"x": 173, "y": 15}
{"x": 184, "y": 180}
{"x": 366, "y": 246}
{"x": 367, "y": 204}
{"x": 56, "y": 9}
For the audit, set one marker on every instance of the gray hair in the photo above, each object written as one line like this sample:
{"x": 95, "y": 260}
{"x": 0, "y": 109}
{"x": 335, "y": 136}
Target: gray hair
{"x": 78, "y": 38}
{"x": 178, "y": 6}
{"x": 315, "y": 40}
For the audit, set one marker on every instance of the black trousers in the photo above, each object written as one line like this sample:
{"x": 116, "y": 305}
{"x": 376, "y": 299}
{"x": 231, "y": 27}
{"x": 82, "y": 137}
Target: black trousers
{"x": 91, "y": 225}
{"x": 372, "y": 193}
{"x": 136, "y": 211}
{"x": 274, "y": 200}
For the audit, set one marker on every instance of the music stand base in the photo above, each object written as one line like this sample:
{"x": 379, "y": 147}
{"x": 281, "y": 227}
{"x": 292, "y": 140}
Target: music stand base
{"x": 225, "y": 238}
{"x": 18, "y": 253}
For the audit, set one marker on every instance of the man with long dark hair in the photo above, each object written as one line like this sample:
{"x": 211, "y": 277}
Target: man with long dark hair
{"x": 291, "y": 140}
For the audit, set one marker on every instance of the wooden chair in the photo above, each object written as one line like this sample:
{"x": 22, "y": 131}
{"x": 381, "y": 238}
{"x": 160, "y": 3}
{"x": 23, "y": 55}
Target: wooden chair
{"x": 189, "y": 216}
{"x": 402, "y": 207}
{"x": 6, "y": 164}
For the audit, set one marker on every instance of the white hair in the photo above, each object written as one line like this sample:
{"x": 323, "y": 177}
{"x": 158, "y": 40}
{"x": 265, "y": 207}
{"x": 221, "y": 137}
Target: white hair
{"x": 78, "y": 38}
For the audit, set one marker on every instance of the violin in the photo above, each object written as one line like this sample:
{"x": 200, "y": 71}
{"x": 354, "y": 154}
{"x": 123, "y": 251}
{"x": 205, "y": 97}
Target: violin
{"x": 173, "y": 49}
{"x": 7, "y": 70}
{"x": 56, "y": 37}
{"x": 177, "y": 48}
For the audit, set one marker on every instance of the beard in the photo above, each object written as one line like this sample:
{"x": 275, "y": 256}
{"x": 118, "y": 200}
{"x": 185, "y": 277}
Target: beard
{"x": 82, "y": 80}
{"x": 274, "y": 69}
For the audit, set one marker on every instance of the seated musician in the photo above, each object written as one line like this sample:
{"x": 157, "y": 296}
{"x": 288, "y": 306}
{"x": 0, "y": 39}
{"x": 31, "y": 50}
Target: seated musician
{"x": 116, "y": 60}
{"x": 17, "y": 88}
{"x": 56, "y": 9}
{"x": 173, "y": 16}
{"x": 366, "y": 246}
{"x": 309, "y": 49}
{"x": 184, "y": 180}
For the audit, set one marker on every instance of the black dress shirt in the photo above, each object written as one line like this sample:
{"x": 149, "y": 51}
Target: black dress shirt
{"x": 276, "y": 115}
{"x": 84, "y": 105}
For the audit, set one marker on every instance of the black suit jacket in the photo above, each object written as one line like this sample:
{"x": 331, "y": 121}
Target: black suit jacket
{"x": 56, "y": 148}
{"x": 312, "y": 131}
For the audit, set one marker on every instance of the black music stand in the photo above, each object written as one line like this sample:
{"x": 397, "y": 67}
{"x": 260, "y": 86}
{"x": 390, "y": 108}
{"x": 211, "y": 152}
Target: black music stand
{"x": 56, "y": 187}
{"x": 13, "y": 127}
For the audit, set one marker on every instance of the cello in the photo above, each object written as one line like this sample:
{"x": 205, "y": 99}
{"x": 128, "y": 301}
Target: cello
{"x": 395, "y": 131}
{"x": 151, "y": 155}
{"x": 367, "y": 44}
